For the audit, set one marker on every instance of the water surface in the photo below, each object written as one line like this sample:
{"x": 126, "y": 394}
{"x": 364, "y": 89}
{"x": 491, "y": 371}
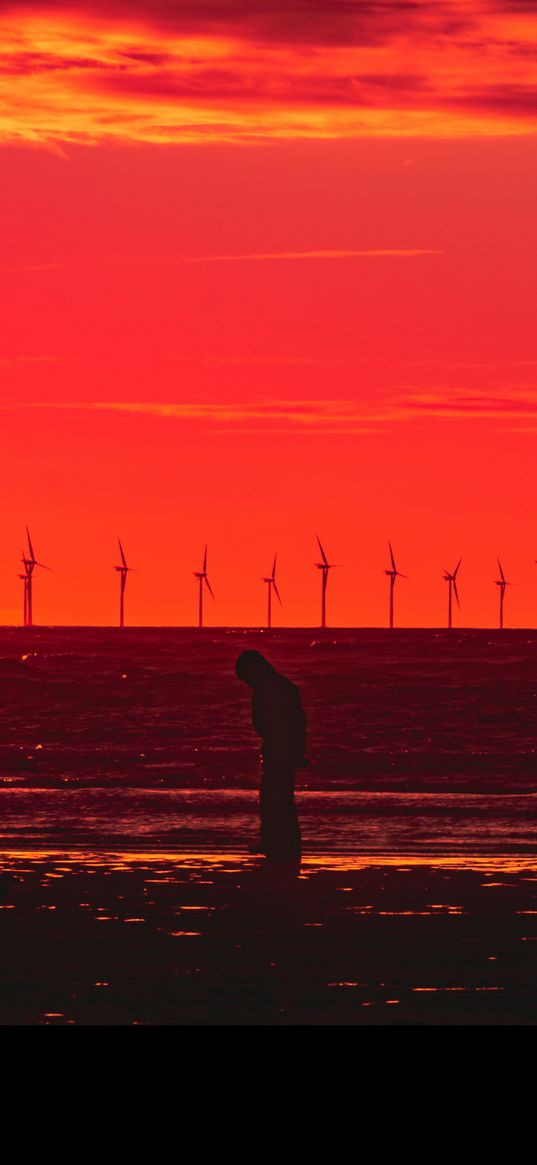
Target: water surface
{"x": 417, "y": 739}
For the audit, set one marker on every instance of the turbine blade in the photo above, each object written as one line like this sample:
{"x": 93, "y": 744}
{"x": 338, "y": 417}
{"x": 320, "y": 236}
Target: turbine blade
{"x": 30, "y": 544}
{"x": 274, "y": 567}
{"x": 208, "y": 585}
{"x": 123, "y": 559}
{"x": 502, "y": 576}
{"x": 456, "y": 568}
{"x": 323, "y": 555}
{"x": 205, "y": 561}
{"x": 456, "y": 591}
{"x": 277, "y": 594}
{"x": 392, "y": 558}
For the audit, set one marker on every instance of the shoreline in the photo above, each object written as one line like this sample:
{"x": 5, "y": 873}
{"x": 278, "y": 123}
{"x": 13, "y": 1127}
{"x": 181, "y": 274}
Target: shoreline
{"x": 517, "y": 859}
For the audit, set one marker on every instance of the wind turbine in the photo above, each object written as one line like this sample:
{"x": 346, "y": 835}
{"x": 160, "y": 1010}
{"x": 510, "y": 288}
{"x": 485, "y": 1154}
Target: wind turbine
{"x": 502, "y": 583}
{"x": 201, "y": 575}
{"x": 450, "y": 576}
{"x": 123, "y": 571}
{"x": 325, "y": 566}
{"x": 271, "y": 583}
{"x": 392, "y": 575}
{"x": 24, "y": 578}
{"x": 30, "y": 562}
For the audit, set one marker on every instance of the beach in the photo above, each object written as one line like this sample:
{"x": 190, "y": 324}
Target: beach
{"x": 129, "y": 784}
{"x": 215, "y": 939}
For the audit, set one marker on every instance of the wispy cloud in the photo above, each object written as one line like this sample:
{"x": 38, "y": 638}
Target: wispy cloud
{"x": 16, "y": 361}
{"x": 344, "y": 416}
{"x": 303, "y": 413}
{"x": 516, "y": 401}
{"x": 216, "y": 70}
{"x": 262, "y": 359}
{"x": 278, "y": 22}
{"x": 271, "y": 256}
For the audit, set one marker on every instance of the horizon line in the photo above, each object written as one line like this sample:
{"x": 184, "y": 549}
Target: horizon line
{"x": 250, "y": 629}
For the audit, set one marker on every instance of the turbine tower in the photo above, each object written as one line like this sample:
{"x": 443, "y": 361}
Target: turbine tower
{"x": 271, "y": 583}
{"x": 201, "y": 575}
{"x": 502, "y": 583}
{"x": 30, "y": 562}
{"x": 392, "y": 575}
{"x": 325, "y": 566}
{"x": 450, "y": 576}
{"x": 24, "y": 578}
{"x": 123, "y": 571}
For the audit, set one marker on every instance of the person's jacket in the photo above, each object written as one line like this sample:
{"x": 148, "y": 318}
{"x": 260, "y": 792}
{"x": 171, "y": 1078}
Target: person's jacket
{"x": 279, "y": 719}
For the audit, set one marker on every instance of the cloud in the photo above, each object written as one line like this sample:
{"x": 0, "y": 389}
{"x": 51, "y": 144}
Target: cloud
{"x": 16, "y": 361}
{"x": 304, "y": 414}
{"x": 521, "y": 401}
{"x": 321, "y": 416}
{"x": 303, "y": 22}
{"x": 270, "y": 256}
{"x": 312, "y": 418}
{"x": 518, "y": 100}
{"x": 214, "y": 70}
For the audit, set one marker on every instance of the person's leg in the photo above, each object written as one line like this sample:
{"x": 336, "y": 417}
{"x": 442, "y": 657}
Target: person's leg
{"x": 269, "y": 809}
{"x": 290, "y": 842}
{"x": 264, "y": 812}
{"x": 280, "y": 830}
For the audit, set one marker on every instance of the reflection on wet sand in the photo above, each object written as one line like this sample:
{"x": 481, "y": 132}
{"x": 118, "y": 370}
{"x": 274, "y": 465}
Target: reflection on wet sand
{"x": 228, "y": 938}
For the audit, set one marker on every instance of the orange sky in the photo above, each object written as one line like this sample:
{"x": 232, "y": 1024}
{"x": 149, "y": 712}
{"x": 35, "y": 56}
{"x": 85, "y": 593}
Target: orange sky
{"x": 267, "y": 271}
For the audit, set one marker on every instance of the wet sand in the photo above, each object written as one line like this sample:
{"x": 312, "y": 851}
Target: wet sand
{"x": 100, "y": 938}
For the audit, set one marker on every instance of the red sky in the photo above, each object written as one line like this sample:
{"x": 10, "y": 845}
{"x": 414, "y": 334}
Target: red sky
{"x": 267, "y": 271}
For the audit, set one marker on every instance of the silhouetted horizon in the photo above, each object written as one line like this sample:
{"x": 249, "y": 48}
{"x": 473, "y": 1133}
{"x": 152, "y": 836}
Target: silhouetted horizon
{"x": 263, "y": 630}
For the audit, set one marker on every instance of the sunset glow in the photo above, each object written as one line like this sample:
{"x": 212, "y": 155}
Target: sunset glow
{"x": 181, "y": 73}
{"x": 268, "y": 273}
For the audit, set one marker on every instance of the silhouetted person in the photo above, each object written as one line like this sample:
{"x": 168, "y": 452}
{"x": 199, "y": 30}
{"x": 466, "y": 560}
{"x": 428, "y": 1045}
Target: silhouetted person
{"x": 278, "y": 718}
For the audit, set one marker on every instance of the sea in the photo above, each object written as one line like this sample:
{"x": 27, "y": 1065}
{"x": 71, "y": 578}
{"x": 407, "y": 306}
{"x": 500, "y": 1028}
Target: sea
{"x": 419, "y": 741}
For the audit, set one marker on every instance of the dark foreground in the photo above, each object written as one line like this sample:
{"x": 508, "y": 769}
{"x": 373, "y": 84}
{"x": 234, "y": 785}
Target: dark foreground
{"x": 164, "y": 938}
{"x": 128, "y": 798}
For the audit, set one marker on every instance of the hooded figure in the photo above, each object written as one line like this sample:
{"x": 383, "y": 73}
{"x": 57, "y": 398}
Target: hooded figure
{"x": 278, "y": 718}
